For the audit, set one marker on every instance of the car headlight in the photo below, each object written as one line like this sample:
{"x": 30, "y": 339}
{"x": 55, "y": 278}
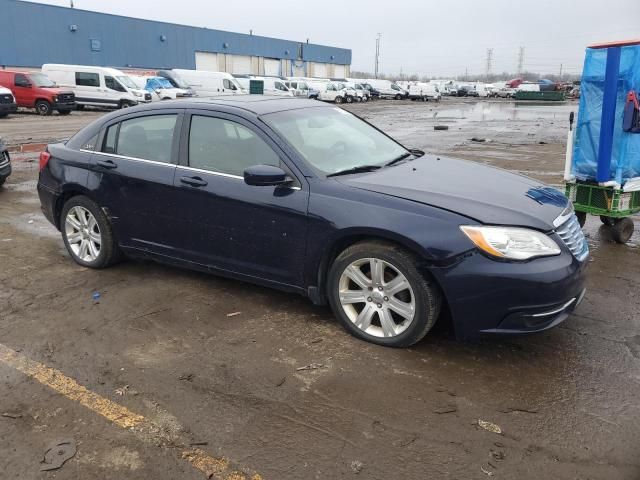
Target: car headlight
{"x": 511, "y": 243}
{"x": 55, "y": 99}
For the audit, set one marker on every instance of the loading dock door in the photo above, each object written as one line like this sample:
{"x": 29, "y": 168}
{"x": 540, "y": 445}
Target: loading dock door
{"x": 338, "y": 71}
{"x": 207, "y": 61}
{"x": 271, "y": 67}
{"x": 320, "y": 70}
{"x": 241, "y": 64}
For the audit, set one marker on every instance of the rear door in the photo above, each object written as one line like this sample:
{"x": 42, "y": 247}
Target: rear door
{"x": 254, "y": 231}
{"x": 132, "y": 177}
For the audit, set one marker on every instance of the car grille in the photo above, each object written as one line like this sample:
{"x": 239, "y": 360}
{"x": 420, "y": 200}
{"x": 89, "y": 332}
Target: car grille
{"x": 572, "y": 236}
{"x": 6, "y": 98}
{"x": 4, "y": 159}
{"x": 66, "y": 98}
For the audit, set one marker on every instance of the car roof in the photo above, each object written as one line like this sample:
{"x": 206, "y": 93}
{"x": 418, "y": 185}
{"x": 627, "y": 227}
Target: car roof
{"x": 257, "y": 104}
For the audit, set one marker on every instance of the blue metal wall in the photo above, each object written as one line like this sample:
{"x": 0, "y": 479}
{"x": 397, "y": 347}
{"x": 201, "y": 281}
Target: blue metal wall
{"x": 33, "y": 34}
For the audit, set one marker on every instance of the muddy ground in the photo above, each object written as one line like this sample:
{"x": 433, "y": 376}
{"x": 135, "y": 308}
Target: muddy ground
{"x": 567, "y": 401}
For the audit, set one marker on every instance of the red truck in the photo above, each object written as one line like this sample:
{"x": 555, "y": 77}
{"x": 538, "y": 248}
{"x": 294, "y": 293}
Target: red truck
{"x": 36, "y": 90}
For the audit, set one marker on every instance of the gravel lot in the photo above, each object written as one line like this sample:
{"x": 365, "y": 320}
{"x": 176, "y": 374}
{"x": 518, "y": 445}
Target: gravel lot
{"x": 280, "y": 389}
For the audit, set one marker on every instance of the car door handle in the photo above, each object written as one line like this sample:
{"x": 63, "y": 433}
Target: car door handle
{"x": 194, "y": 181}
{"x": 109, "y": 164}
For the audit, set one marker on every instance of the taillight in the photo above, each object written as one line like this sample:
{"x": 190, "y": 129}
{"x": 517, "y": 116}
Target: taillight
{"x": 44, "y": 159}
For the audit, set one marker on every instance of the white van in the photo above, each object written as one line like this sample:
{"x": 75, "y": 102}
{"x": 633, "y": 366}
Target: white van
{"x": 210, "y": 84}
{"x": 423, "y": 91}
{"x": 274, "y": 86}
{"x": 97, "y": 86}
{"x": 386, "y": 88}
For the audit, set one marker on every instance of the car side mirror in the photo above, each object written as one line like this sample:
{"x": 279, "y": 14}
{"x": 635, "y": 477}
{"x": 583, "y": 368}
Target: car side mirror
{"x": 265, "y": 176}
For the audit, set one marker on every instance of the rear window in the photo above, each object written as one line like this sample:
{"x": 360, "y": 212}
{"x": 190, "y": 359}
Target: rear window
{"x": 86, "y": 79}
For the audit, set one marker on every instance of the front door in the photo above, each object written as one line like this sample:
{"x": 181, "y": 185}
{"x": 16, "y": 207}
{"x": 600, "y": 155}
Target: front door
{"x": 23, "y": 91}
{"x": 254, "y": 231}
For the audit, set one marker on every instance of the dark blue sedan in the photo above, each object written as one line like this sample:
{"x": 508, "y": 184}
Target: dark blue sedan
{"x": 308, "y": 198}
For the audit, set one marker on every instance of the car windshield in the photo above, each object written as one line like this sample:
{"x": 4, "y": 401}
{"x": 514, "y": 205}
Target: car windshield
{"x": 332, "y": 140}
{"x": 41, "y": 80}
{"x": 126, "y": 81}
{"x": 177, "y": 81}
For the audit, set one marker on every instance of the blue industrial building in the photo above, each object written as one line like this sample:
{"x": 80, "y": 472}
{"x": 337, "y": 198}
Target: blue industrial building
{"x": 33, "y": 34}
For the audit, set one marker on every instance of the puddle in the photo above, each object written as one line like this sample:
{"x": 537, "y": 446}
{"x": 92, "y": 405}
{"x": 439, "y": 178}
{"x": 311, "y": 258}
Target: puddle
{"x": 505, "y": 111}
{"x": 28, "y": 186}
{"x": 33, "y": 223}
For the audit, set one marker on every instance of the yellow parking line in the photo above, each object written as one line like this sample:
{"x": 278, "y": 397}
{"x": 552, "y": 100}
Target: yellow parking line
{"x": 217, "y": 468}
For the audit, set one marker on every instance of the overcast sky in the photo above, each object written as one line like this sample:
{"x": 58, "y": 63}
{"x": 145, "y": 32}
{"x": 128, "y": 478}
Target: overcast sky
{"x": 437, "y": 38}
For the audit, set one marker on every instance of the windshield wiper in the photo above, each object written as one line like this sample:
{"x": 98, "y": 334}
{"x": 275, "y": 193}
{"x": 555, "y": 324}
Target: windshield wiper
{"x": 398, "y": 159}
{"x": 358, "y": 169}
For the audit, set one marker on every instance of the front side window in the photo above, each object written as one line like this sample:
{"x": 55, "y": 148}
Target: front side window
{"x": 146, "y": 138}
{"x": 281, "y": 86}
{"x": 21, "y": 80}
{"x": 332, "y": 140}
{"x": 112, "y": 84}
{"x": 223, "y": 146}
{"x": 86, "y": 79}
{"x": 226, "y": 83}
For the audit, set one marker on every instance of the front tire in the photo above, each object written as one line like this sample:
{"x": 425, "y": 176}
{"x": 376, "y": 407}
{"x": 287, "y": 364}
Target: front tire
{"x": 43, "y": 108}
{"x": 87, "y": 233}
{"x": 398, "y": 97}
{"x": 378, "y": 295}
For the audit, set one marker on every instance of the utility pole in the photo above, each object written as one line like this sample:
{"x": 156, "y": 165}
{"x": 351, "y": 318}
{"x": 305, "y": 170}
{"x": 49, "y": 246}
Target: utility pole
{"x": 520, "y": 60}
{"x": 377, "y": 68}
{"x": 560, "y": 71}
{"x": 466, "y": 73}
{"x": 489, "y": 61}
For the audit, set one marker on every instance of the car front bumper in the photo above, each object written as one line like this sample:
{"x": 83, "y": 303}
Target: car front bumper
{"x": 64, "y": 105}
{"x": 8, "y": 108}
{"x": 491, "y": 297}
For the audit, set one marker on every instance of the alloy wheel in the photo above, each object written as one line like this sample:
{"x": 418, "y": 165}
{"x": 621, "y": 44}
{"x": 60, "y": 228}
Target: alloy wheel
{"x": 83, "y": 234}
{"x": 377, "y": 297}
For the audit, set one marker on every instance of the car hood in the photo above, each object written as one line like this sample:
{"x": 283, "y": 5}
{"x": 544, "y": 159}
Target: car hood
{"x": 486, "y": 194}
{"x": 54, "y": 90}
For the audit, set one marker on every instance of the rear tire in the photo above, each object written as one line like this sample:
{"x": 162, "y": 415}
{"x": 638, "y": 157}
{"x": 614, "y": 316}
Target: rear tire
{"x": 338, "y": 99}
{"x": 398, "y": 304}
{"x": 64, "y": 112}
{"x": 79, "y": 107}
{"x": 2, "y": 180}
{"x": 398, "y": 97}
{"x": 43, "y": 108}
{"x": 622, "y": 230}
{"x": 124, "y": 104}
{"x": 87, "y": 234}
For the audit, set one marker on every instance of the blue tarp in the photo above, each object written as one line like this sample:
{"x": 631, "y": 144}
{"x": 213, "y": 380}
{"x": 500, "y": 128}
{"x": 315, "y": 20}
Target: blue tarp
{"x": 625, "y": 158}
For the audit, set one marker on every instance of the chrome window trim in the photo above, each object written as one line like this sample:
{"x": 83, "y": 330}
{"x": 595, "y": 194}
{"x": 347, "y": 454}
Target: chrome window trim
{"x": 115, "y": 155}
{"x": 220, "y": 174}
